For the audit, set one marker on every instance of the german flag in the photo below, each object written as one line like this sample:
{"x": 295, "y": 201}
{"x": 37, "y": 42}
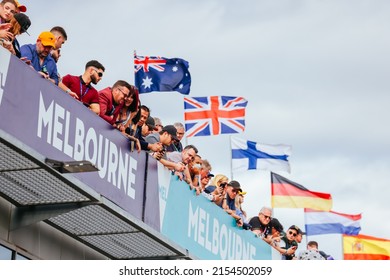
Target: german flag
{"x": 363, "y": 247}
{"x": 287, "y": 194}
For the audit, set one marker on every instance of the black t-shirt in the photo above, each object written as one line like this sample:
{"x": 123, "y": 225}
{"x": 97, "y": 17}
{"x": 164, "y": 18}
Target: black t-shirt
{"x": 288, "y": 244}
{"x": 257, "y": 225}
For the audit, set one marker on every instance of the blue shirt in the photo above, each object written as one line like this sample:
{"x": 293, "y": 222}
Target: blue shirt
{"x": 30, "y": 51}
{"x": 230, "y": 203}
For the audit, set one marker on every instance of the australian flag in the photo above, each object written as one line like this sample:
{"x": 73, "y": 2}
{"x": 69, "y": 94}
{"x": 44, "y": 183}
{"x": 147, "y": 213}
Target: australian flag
{"x": 214, "y": 115}
{"x": 156, "y": 73}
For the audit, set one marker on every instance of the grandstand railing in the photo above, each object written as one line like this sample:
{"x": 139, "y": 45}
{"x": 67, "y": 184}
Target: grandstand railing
{"x": 53, "y": 125}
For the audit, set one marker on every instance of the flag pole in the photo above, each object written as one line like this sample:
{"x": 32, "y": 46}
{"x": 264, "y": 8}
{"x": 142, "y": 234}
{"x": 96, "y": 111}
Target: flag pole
{"x": 270, "y": 181}
{"x": 185, "y": 138}
{"x": 134, "y": 56}
{"x": 231, "y": 158}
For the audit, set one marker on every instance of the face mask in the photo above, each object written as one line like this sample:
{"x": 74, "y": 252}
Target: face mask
{"x": 197, "y": 166}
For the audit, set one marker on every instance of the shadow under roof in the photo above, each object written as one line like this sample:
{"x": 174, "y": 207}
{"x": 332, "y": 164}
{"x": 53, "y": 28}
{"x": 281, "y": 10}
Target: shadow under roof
{"x": 75, "y": 209}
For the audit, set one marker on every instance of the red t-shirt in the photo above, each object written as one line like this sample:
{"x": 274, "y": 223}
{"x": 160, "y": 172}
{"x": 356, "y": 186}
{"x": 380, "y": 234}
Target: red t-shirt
{"x": 87, "y": 94}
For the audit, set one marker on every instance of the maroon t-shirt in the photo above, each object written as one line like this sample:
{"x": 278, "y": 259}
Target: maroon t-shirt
{"x": 87, "y": 94}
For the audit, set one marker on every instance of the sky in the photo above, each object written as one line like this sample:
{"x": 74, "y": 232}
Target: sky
{"x": 315, "y": 74}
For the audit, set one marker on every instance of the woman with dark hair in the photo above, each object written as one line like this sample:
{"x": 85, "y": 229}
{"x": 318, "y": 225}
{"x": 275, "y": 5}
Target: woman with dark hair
{"x": 129, "y": 110}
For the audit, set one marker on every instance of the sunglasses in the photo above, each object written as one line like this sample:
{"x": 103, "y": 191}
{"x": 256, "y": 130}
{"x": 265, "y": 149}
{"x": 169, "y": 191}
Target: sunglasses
{"x": 100, "y": 74}
{"x": 222, "y": 185}
{"x": 267, "y": 217}
{"x": 292, "y": 233}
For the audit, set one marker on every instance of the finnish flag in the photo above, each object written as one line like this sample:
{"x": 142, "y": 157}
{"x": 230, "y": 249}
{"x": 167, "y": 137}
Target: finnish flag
{"x": 247, "y": 155}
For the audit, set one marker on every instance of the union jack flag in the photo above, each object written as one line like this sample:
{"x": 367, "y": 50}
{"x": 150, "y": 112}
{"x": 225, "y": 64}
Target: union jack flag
{"x": 214, "y": 115}
{"x": 144, "y": 62}
{"x": 156, "y": 73}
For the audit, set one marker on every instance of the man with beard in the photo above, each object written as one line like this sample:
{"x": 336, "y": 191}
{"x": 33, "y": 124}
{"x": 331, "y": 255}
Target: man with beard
{"x": 80, "y": 87}
{"x": 111, "y": 101}
{"x": 61, "y": 36}
{"x": 38, "y": 56}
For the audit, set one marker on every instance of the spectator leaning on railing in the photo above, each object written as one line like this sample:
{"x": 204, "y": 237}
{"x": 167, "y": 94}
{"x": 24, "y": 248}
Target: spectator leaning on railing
{"x": 38, "y": 56}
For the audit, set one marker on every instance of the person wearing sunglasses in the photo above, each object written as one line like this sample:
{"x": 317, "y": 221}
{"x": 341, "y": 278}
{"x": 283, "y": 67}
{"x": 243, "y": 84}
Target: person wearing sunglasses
{"x": 80, "y": 87}
{"x": 233, "y": 189}
{"x": 260, "y": 223}
{"x": 288, "y": 245}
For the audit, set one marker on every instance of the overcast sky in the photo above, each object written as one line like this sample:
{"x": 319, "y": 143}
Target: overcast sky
{"x": 315, "y": 74}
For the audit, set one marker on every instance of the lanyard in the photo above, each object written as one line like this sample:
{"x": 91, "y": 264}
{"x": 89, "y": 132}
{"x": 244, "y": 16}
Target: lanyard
{"x": 110, "y": 113}
{"x": 81, "y": 91}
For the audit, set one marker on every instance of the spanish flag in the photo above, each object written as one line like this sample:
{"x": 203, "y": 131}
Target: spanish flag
{"x": 363, "y": 247}
{"x": 287, "y": 194}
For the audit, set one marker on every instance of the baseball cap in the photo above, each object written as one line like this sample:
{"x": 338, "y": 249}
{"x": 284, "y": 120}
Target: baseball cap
{"x": 150, "y": 123}
{"x": 235, "y": 185}
{"x": 24, "y": 22}
{"x": 20, "y": 7}
{"x": 171, "y": 130}
{"x": 276, "y": 224}
{"x": 47, "y": 39}
{"x": 299, "y": 231}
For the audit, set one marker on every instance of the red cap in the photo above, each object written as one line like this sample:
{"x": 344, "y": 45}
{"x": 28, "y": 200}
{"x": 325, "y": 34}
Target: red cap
{"x": 21, "y": 8}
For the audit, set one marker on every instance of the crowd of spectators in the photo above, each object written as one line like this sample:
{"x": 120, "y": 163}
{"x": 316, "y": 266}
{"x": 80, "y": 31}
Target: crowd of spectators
{"x": 120, "y": 106}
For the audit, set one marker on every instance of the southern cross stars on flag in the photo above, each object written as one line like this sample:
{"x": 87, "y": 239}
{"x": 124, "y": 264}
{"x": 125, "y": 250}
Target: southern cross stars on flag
{"x": 214, "y": 115}
{"x": 155, "y": 73}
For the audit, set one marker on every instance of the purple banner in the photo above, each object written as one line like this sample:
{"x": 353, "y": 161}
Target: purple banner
{"x": 48, "y": 120}
{"x": 152, "y": 202}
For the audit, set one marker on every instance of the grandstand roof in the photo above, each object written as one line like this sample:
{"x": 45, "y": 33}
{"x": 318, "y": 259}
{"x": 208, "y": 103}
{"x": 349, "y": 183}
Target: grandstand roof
{"x": 41, "y": 193}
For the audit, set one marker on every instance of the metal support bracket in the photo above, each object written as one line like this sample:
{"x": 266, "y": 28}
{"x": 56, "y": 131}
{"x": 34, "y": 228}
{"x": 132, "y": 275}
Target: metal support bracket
{"x": 27, "y": 215}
